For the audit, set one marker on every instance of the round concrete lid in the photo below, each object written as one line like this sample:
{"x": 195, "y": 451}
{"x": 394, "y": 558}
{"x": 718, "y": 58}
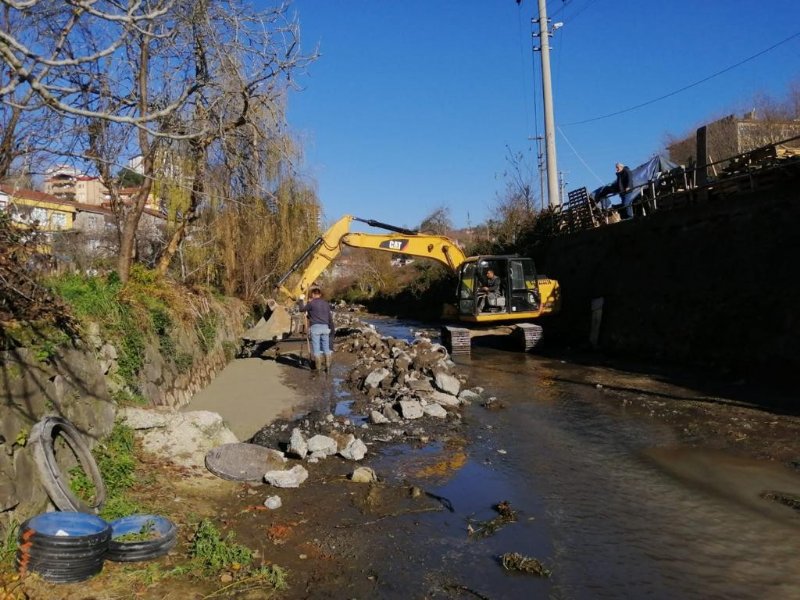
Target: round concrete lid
{"x": 243, "y": 462}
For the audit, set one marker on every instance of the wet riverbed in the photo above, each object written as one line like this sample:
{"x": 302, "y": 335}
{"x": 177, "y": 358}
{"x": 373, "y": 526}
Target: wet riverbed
{"x": 609, "y": 495}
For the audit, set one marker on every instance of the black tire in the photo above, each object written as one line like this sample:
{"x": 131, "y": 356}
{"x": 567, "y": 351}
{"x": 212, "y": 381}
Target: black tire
{"x": 166, "y": 538}
{"x": 42, "y": 438}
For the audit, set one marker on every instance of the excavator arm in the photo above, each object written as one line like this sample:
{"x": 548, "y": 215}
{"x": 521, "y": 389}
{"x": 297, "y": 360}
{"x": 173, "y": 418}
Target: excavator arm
{"x": 328, "y": 247}
{"x": 277, "y": 322}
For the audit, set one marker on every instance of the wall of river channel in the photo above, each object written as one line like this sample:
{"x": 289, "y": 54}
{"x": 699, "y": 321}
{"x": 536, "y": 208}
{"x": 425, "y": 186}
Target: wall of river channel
{"x": 712, "y": 284}
{"x": 81, "y": 382}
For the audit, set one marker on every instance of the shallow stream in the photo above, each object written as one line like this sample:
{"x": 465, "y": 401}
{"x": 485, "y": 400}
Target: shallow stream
{"x": 607, "y": 499}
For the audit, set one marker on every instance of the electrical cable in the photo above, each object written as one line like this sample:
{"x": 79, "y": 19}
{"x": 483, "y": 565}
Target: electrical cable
{"x": 580, "y": 158}
{"x": 574, "y": 16}
{"x": 686, "y": 87}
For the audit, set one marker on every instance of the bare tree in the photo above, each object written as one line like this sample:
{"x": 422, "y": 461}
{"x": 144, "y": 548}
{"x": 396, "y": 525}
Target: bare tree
{"x": 249, "y": 58}
{"x": 438, "y": 221}
{"x": 25, "y": 126}
{"x": 514, "y": 209}
{"x": 55, "y": 51}
{"x": 147, "y": 78}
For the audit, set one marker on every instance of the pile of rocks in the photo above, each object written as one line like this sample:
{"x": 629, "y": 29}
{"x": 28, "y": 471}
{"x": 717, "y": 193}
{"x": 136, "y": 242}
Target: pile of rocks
{"x": 405, "y": 381}
{"x": 404, "y": 390}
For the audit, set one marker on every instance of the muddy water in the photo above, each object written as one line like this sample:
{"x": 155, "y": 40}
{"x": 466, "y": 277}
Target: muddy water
{"x": 607, "y": 499}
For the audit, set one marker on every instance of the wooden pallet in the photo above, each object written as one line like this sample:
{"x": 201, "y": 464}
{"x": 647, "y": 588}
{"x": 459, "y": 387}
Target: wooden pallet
{"x": 580, "y": 212}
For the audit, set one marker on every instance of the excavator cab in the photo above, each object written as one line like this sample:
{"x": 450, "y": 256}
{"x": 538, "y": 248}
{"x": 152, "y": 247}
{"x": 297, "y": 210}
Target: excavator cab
{"x": 518, "y": 296}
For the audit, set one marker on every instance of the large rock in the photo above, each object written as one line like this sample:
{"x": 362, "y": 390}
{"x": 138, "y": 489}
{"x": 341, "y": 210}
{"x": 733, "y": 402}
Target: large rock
{"x": 445, "y": 399}
{"x": 435, "y": 410}
{"x": 375, "y": 378}
{"x": 297, "y": 444}
{"x": 377, "y": 418}
{"x": 355, "y": 450}
{"x": 107, "y": 358}
{"x": 447, "y": 383}
{"x": 322, "y": 444}
{"x": 182, "y": 438}
{"x": 144, "y": 418}
{"x": 390, "y": 413}
{"x": 363, "y": 475}
{"x": 468, "y": 396}
{"x": 410, "y": 409}
{"x": 291, "y": 478}
{"x": 419, "y": 385}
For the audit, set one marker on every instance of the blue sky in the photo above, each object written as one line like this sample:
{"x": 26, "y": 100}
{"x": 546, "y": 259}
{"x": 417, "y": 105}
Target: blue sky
{"x": 412, "y": 103}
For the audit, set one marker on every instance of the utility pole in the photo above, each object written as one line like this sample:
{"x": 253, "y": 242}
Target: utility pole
{"x": 562, "y": 186}
{"x": 547, "y": 93}
{"x": 540, "y": 168}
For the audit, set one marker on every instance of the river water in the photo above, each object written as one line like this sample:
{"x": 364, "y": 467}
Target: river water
{"x": 608, "y": 500}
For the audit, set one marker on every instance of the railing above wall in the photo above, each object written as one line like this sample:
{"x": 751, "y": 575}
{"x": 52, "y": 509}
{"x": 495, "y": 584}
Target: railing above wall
{"x": 759, "y": 169}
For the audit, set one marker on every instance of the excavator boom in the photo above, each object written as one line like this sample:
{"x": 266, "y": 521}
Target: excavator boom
{"x": 328, "y": 247}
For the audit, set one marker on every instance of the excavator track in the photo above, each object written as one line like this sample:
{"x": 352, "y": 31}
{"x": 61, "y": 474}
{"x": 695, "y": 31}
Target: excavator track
{"x": 456, "y": 340}
{"x": 527, "y": 336}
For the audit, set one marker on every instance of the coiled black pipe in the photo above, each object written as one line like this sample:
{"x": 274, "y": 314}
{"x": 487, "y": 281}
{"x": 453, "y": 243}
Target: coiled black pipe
{"x": 63, "y": 547}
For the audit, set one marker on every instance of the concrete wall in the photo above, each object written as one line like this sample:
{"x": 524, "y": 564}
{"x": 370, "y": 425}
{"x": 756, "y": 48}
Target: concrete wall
{"x": 710, "y": 284}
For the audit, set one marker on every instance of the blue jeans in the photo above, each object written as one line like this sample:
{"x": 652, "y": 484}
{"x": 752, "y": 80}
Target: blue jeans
{"x": 626, "y": 212}
{"x": 320, "y": 339}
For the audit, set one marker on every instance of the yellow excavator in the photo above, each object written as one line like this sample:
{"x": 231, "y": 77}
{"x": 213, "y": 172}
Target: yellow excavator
{"x": 509, "y": 309}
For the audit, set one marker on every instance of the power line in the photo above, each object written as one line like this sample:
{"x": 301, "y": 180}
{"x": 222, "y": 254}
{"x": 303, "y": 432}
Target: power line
{"x": 686, "y": 87}
{"x": 580, "y": 158}
{"x": 564, "y": 4}
{"x": 574, "y": 16}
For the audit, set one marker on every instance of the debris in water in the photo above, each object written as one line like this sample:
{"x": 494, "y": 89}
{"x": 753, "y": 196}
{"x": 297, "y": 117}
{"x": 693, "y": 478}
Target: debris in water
{"x": 493, "y": 403}
{"x": 486, "y": 528}
{"x": 790, "y": 500}
{"x": 462, "y": 588}
{"x": 514, "y": 561}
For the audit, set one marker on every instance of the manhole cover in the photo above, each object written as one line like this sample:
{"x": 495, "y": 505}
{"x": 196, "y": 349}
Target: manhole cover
{"x": 243, "y": 462}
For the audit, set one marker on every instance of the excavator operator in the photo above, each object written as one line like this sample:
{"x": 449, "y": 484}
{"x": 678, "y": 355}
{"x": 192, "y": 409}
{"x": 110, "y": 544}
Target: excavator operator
{"x": 489, "y": 291}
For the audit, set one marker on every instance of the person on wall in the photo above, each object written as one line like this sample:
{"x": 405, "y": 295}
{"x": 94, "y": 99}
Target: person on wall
{"x": 625, "y": 190}
{"x": 320, "y": 317}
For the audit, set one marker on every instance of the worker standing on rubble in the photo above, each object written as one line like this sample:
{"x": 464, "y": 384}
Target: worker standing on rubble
{"x": 320, "y": 317}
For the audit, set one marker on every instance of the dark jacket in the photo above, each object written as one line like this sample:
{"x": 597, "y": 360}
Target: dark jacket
{"x": 493, "y": 285}
{"x": 319, "y": 312}
{"x": 624, "y": 180}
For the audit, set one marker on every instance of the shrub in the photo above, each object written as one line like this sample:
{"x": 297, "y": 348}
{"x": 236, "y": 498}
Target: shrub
{"x": 211, "y": 552}
{"x": 117, "y": 463}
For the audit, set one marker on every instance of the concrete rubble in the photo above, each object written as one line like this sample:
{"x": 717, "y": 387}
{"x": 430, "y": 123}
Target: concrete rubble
{"x": 289, "y": 478}
{"x": 395, "y": 383}
{"x": 184, "y": 437}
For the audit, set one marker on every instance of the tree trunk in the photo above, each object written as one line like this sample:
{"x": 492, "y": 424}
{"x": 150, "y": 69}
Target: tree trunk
{"x": 196, "y": 196}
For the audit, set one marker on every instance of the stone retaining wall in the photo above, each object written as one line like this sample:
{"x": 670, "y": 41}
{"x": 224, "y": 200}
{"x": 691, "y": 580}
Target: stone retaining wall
{"x": 710, "y": 284}
{"x": 77, "y": 383}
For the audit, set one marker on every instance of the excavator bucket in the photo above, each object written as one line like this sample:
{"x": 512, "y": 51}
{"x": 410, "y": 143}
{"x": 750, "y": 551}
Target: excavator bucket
{"x": 275, "y": 325}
